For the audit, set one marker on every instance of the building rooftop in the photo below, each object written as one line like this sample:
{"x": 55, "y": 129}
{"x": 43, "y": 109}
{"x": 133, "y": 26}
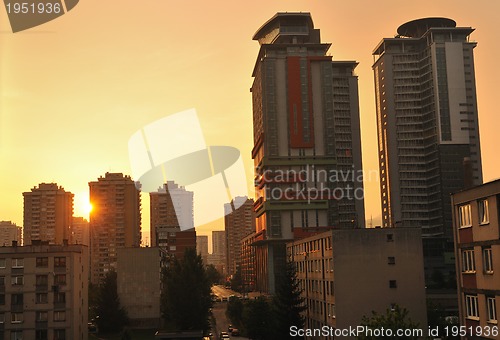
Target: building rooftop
{"x": 417, "y": 28}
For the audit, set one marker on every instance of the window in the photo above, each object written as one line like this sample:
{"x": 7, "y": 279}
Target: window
{"x": 465, "y": 216}
{"x": 487, "y": 261}
{"x": 2, "y": 280}
{"x": 390, "y": 237}
{"x": 59, "y": 316}
{"x": 2, "y": 299}
{"x": 41, "y": 316}
{"x": 41, "y": 334}
{"x": 484, "y": 214}
{"x": 60, "y": 279}
{"x": 173, "y": 248}
{"x": 491, "y": 309}
{"x": 393, "y": 284}
{"x": 16, "y": 299}
{"x": 2, "y": 263}
{"x": 60, "y": 262}
{"x": 471, "y": 306}
{"x": 41, "y": 298}
{"x": 42, "y": 262}
{"x": 42, "y": 280}
{"x": 468, "y": 263}
{"x": 59, "y": 297}
{"x": 16, "y": 335}
{"x": 2, "y": 318}
{"x": 17, "y": 263}
{"x": 17, "y": 280}
{"x": 16, "y": 317}
{"x": 391, "y": 260}
{"x": 59, "y": 334}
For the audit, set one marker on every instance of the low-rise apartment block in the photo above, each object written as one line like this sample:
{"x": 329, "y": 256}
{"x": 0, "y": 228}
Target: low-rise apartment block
{"x": 477, "y": 249}
{"x": 44, "y": 292}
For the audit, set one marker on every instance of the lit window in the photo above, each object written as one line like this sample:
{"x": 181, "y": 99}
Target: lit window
{"x": 471, "y": 307}
{"x": 488, "y": 260}
{"x": 468, "y": 263}
{"x": 484, "y": 215}
{"x": 491, "y": 309}
{"x": 16, "y": 317}
{"x": 465, "y": 216}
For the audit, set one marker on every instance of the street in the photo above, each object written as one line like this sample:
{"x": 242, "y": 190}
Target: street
{"x": 219, "y": 311}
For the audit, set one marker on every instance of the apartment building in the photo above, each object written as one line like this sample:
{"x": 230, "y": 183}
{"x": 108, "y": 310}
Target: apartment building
{"x": 44, "y": 292}
{"x": 476, "y": 228}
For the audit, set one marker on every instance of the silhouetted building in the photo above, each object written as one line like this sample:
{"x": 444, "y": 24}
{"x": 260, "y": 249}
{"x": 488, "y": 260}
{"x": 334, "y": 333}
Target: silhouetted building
{"x": 44, "y": 292}
{"x": 202, "y": 247}
{"x": 10, "y": 232}
{"x": 476, "y": 227}
{"x": 171, "y": 206}
{"x": 115, "y": 221}
{"x": 174, "y": 240}
{"x": 80, "y": 231}
{"x": 347, "y": 274}
{"x": 238, "y": 223}
{"x": 427, "y": 124}
{"x": 48, "y": 211}
{"x": 307, "y": 146}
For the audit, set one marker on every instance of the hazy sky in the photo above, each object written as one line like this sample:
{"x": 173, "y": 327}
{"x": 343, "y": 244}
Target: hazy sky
{"x": 73, "y": 90}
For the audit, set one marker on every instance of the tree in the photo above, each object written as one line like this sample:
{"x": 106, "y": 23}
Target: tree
{"x": 258, "y": 320}
{"x": 288, "y": 303}
{"x": 237, "y": 281}
{"x": 111, "y": 317}
{"x": 186, "y": 297}
{"x": 214, "y": 277}
{"x": 234, "y": 312}
{"x": 393, "y": 319}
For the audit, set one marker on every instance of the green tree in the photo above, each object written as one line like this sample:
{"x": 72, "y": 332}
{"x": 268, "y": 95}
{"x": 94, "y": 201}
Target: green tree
{"x": 393, "y": 319}
{"x": 186, "y": 297}
{"x": 111, "y": 316}
{"x": 258, "y": 319}
{"x": 288, "y": 303}
{"x": 213, "y": 275}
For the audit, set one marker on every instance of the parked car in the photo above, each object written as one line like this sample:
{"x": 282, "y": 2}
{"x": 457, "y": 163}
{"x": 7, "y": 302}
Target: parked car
{"x": 235, "y": 332}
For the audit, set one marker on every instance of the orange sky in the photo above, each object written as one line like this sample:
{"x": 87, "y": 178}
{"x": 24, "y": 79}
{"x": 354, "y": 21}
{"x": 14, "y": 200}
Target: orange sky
{"x": 73, "y": 90}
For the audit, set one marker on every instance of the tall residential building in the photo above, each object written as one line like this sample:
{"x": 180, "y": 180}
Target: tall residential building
{"x": 428, "y": 133}
{"x": 476, "y": 227}
{"x": 171, "y": 206}
{"x": 115, "y": 221}
{"x": 202, "y": 247}
{"x": 238, "y": 223}
{"x": 44, "y": 292}
{"x": 48, "y": 211}
{"x": 10, "y": 232}
{"x": 218, "y": 256}
{"x": 80, "y": 231}
{"x": 307, "y": 144}
{"x": 175, "y": 241}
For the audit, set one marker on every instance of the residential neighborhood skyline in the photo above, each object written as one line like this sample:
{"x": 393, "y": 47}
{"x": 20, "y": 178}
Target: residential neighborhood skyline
{"x": 134, "y": 80}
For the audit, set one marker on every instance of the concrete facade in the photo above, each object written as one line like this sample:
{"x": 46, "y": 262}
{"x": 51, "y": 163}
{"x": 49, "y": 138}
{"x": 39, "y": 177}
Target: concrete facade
{"x": 347, "y": 274}
{"x": 115, "y": 221}
{"x": 10, "y": 232}
{"x": 48, "y": 210}
{"x": 44, "y": 292}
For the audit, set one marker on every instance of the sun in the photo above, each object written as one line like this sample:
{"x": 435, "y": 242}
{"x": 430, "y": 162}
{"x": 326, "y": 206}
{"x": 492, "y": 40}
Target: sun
{"x": 82, "y": 204}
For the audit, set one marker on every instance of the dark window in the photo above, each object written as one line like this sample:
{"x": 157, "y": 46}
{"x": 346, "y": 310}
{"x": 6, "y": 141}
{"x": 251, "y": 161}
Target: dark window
{"x": 60, "y": 279}
{"x": 41, "y": 334}
{"x": 393, "y": 284}
{"x": 59, "y": 297}
{"x": 60, "y": 262}
{"x": 59, "y": 334}
{"x": 41, "y": 298}
{"x": 16, "y": 299}
{"x": 2, "y": 299}
{"x": 42, "y": 280}
{"x": 42, "y": 262}
{"x": 390, "y": 237}
{"x": 391, "y": 260}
